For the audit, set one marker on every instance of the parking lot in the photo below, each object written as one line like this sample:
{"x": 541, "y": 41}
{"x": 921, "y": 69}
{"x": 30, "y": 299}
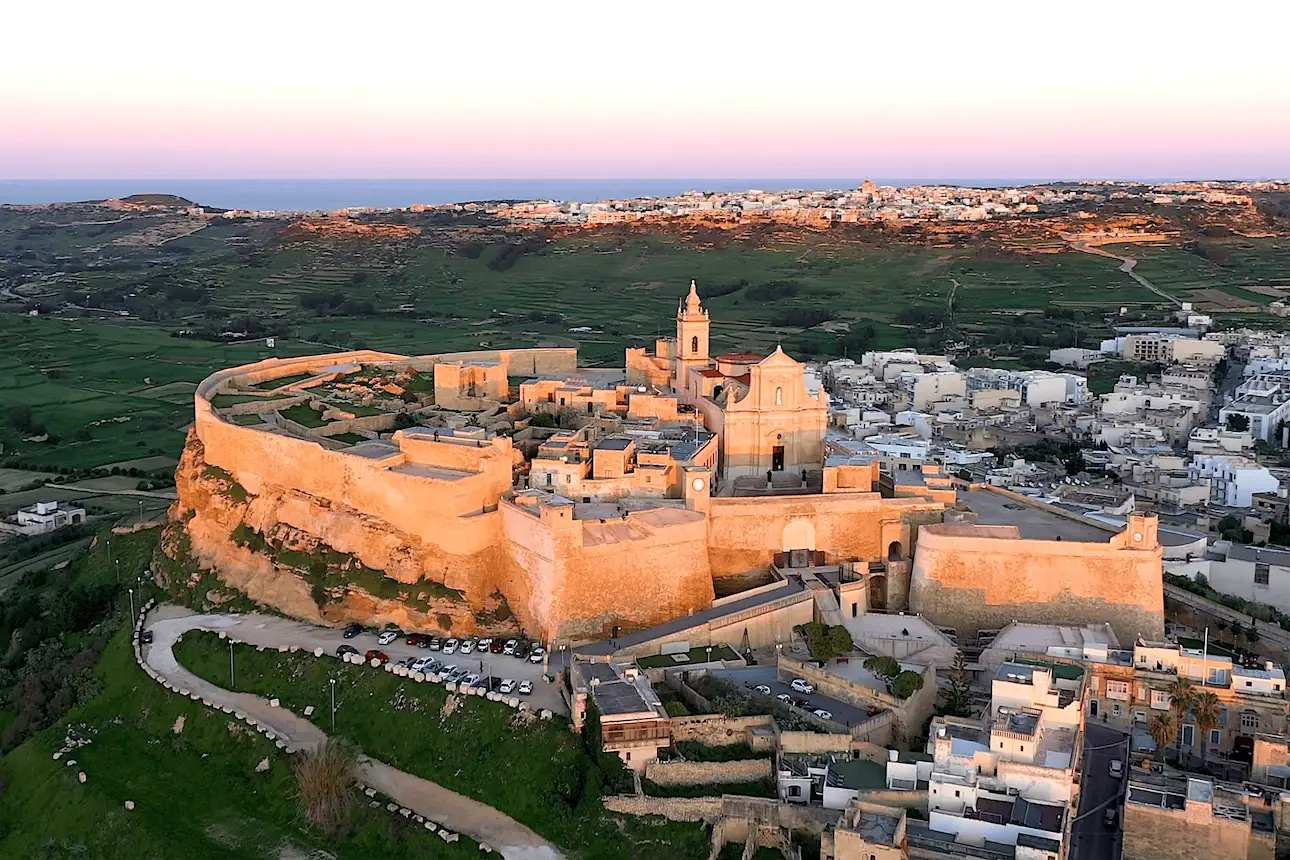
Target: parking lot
{"x": 750, "y": 677}
{"x": 274, "y": 632}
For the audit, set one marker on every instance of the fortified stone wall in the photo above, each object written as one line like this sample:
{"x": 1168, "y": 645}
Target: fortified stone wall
{"x": 981, "y": 577}
{"x": 708, "y": 772}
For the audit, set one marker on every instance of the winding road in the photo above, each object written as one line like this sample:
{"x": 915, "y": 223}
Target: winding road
{"x": 1126, "y": 266}
{"x": 450, "y": 810}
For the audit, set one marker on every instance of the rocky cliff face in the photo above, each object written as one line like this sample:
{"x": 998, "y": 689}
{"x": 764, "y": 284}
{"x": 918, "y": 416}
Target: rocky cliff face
{"x": 319, "y": 561}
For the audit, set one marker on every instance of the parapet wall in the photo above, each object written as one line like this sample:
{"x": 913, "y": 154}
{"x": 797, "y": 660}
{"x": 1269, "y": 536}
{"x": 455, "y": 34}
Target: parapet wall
{"x": 984, "y": 577}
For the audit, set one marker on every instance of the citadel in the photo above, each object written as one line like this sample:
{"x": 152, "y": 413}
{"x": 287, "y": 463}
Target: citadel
{"x": 475, "y": 490}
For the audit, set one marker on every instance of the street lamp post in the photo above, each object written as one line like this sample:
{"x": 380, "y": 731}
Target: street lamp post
{"x": 333, "y": 705}
{"x": 709, "y": 653}
{"x": 230, "y": 665}
{"x": 131, "y": 590}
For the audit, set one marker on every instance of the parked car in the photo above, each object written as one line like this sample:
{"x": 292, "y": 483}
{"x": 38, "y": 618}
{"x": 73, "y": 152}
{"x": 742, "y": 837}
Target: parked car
{"x": 467, "y": 646}
{"x": 377, "y": 655}
{"x": 387, "y": 637}
{"x": 802, "y": 685}
{"x": 450, "y": 646}
{"x": 1117, "y": 768}
{"x": 763, "y": 689}
{"x": 342, "y": 650}
{"x": 470, "y": 680}
{"x": 509, "y": 647}
{"x": 507, "y": 687}
{"x": 522, "y": 650}
{"x": 526, "y": 687}
{"x": 421, "y": 664}
{"x": 785, "y": 698}
{"x": 822, "y": 714}
{"x": 537, "y": 654}
{"x": 1111, "y": 817}
{"x": 352, "y": 630}
{"x": 496, "y": 646}
{"x": 483, "y": 644}
{"x": 145, "y": 637}
{"x": 454, "y": 673}
{"x": 432, "y": 643}
{"x": 416, "y": 640}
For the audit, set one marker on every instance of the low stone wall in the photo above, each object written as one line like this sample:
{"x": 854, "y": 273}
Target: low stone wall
{"x": 708, "y": 772}
{"x": 671, "y": 808}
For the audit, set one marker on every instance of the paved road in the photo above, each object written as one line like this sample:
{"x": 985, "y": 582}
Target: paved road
{"x": 1092, "y": 839}
{"x": 847, "y": 715}
{"x": 436, "y": 803}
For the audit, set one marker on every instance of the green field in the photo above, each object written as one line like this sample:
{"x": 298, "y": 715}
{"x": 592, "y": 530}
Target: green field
{"x": 538, "y": 773}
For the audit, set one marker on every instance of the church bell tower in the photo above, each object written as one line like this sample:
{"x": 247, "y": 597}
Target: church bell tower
{"x": 692, "y": 323}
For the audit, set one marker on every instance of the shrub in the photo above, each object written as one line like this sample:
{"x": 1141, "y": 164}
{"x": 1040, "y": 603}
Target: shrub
{"x": 325, "y": 780}
{"x": 885, "y": 666}
{"x": 906, "y": 684}
{"x": 825, "y": 642}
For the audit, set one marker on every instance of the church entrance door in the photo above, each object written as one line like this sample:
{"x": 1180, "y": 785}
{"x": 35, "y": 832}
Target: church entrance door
{"x": 777, "y": 458}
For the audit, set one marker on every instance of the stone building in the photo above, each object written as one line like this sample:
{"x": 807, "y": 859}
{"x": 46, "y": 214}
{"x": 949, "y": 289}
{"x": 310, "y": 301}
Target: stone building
{"x": 1179, "y": 818}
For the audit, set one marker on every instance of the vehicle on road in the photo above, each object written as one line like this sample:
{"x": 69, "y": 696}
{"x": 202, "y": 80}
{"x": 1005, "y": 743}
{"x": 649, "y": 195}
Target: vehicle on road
{"x": 387, "y": 637}
{"x": 509, "y": 647}
{"x": 450, "y": 647}
{"x": 785, "y": 698}
{"x": 432, "y": 643}
{"x": 537, "y": 654}
{"x": 377, "y": 655}
{"x": 467, "y": 646}
{"x": 822, "y": 714}
{"x": 1117, "y": 768}
{"x": 145, "y": 637}
{"x": 342, "y": 650}
{"x": 526, "y": 687}
{"x": 1111, "y": 817}
{"x": 763, "y": 689}
{"x": 802, "y": 685}
{"x": 496, "y": 646}
{"x": 352, "y": 630}
{"x": 507, "y": 687}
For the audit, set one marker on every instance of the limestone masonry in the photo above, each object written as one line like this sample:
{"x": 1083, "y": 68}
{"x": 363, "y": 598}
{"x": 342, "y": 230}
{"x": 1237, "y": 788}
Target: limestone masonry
{"x": 486, "y": 490}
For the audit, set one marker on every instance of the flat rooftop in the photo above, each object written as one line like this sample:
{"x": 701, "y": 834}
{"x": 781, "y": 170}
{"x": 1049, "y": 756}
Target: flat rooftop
{"x": 1034, "y": 523}
{"x": 876, "y": 827}
{"x": 1038, "y": 638}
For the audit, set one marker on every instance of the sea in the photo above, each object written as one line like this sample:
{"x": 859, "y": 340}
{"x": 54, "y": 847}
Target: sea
{"x": 325, "y": 194}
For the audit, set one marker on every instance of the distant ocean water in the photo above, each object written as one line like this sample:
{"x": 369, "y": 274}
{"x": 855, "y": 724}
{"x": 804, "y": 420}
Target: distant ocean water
{"x": 310, "y": 194}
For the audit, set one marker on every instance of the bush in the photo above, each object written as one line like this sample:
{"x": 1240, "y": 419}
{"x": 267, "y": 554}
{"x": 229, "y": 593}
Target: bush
{"x": 325, "y": 780}
{"x": 826, "y": 643}
{"x": 887, "y": 667}
{"x": 906, "y": 684}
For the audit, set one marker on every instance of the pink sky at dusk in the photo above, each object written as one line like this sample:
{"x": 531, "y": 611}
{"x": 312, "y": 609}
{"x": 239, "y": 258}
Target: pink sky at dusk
{"x": 282, "y": 90}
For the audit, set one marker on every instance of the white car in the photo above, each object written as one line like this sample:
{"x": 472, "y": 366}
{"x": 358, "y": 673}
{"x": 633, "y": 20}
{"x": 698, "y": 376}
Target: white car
{"x": 469, "y": 681}
{"x": 467, "y": 646}
{"x": 1117, "y": 768}
{"x": 509, "y": 647}
{"x": 526, "y": 687}
{"x": 422, "y": 664}
{"x": 822, "y": 714}
{"x": 801, "y": 685}
{"x": 785, "y": 698}
{"x": 387, "y": 637}
{"x": 537, "y": 654}
{"x": 484, "y": 644}
{"x": 763, "y": 689}
{"x": 450, "y": 647}
{"x": 507, "y": 687}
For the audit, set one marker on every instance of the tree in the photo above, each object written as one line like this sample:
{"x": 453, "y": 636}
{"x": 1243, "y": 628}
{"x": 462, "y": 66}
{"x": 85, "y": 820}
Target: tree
{"x": 826, "y": 643}
{"x": 958, "y": 692}
{"x": 1181, "y": 696}
{"x": 906, "y": 684}
{"x": 885, "y": 666}
{"x": 1205, "y": 712}
{"x": 1238, "y": 423}
{"x": 1163, "y": 730}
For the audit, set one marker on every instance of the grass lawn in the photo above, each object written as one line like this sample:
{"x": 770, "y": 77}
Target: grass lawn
{"x": 348, "y": 438}
{"x": 278, "y": 382}
{"x": 695, "y": 655}
{"x": 302, "y": 414}
{"x": 535, "y": 773}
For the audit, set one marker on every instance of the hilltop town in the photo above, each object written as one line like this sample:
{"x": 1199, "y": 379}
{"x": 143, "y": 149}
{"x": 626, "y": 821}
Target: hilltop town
{"x": 916, "y": 522}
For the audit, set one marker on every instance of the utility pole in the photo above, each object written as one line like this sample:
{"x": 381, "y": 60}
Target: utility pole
{"x": 230, "y": 665}
{"x": 131, "y": 590}
{"x": 333, "y": 705}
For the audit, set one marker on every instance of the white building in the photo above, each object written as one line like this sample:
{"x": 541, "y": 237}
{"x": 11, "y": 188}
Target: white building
{"x": 1254, "y": 573}
{"x": 1233, "y": 479}
{"x": 44, "y": 517}
{"x": 1263, "y": 399}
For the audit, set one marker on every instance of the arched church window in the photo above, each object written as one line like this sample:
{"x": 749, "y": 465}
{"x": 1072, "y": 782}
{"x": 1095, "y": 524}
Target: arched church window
{"x": 694, "y": 344}
{"x": 779, "y": 397}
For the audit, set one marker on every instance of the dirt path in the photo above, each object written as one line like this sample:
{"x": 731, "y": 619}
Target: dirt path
{"x": 449, "y": 809}
{"x": 1126, "y": 266}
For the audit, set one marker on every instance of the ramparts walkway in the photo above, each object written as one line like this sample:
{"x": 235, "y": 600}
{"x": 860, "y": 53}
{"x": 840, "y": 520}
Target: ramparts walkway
{"x": 455, "y": 812}
{"x": 1271, "y": 632}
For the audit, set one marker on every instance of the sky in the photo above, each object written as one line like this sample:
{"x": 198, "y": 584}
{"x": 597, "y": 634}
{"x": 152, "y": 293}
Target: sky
{"x": 433, "y": 89}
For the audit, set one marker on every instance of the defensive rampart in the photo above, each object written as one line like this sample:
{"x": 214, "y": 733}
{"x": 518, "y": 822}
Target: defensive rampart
{"x": 975, "y": 577}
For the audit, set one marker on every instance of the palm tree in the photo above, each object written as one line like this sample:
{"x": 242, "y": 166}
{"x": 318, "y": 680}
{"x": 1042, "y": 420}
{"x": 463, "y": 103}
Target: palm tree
{"x": 1181, "y": 696}
{"x": 1206, "y": 713}
{"x": 1163, "y": 731}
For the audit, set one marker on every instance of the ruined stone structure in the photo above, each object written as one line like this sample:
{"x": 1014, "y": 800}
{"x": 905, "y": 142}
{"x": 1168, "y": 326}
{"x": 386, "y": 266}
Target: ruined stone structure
{"x": 424, "y": 492}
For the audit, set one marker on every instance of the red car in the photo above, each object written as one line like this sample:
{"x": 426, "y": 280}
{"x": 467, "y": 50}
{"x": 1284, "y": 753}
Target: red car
{"x": 377, "y": 655}
{"x": 416, "y": 639}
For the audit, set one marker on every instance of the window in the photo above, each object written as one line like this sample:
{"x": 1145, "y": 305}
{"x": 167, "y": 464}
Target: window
{"x": 957, "y": 793}
{"x": 1117, "y": 690}
{"x": 854, "y": 609}
{"x": 548, "y": 479}
{"x": 1115, "y": 709}
{"x": 1159, "y": 700}
{"x": 629, "y": 756}
{"x": 1188, "y": 735}
{"x": 1092, "y": 707}
{"x": 1249, "y": 720}
{"x": 779, "y": 397}
{"x": 794, "y": 791}
{"x": 1215, "y": 737}
{"x": 694, "y": 344}
{"x": 1261, "y": 572}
